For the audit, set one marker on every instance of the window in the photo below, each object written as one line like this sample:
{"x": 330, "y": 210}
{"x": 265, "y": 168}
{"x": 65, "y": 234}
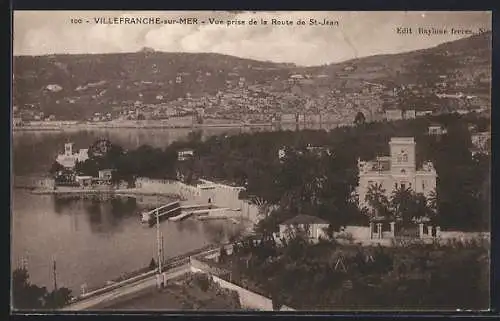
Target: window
{"x": 402, "y": 157}
{"x": 403, "y": 186}
{"x": 395, "y": 185}
{"x": 423, "y": 185}
{"x": 403, "y": 171}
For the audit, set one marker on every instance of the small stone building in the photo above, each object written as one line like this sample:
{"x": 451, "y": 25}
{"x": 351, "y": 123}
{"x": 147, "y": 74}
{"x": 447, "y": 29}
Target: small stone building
{"x": 314, "y": 227}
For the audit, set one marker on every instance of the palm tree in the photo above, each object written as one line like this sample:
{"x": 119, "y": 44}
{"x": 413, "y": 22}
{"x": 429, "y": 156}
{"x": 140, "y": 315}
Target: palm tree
{"x": 262, "y": 204}
{"x": 409, "y": 207}
{"x": 403, "y": 204}
{"x": 377, "y": 200}
{"x": 432, "y": 201}
{"x": 359, "y": 119}
{"x": 422, "y": 209}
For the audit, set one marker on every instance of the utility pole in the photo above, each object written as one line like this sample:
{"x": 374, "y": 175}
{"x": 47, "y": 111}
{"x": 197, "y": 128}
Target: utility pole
{"x": 159, "y": 258}
{"x": 158, "y": 237}
{"x": 55, "y": 277}
{"x": 162, "y": 249}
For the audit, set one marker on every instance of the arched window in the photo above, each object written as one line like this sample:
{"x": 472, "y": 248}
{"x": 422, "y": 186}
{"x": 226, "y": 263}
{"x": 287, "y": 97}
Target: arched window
{"x": 403, "y": 156}
{"x": 403, "y": 171}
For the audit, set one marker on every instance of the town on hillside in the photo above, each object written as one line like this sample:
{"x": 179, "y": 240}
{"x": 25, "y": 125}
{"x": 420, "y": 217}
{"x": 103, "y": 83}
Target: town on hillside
{"x": 236, "y": 179}
{"x": 221, "y": 89}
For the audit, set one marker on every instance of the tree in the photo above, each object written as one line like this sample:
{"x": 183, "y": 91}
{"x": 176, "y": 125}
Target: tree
{"x": 402, "y": 204}
{"x": 152, "y": 264}
{"x": 262, "y": 204}
{"x": 378, "y": 201}
{"x": 222, "y": 254}
{"x": 408, "y": 206}
{"x": 56, "y": 168}
{"x": 432, "y": 202}
{"x": 360, "y": 118}
{"x": 25, "y": 295}
{"x": 58, "y": 298}
{"x": 99, "y": 148}
{"x": 88, "y": 167}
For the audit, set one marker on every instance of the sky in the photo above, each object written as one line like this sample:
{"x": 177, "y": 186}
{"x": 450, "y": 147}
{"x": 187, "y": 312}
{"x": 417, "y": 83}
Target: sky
{"x": 358, "y": 34}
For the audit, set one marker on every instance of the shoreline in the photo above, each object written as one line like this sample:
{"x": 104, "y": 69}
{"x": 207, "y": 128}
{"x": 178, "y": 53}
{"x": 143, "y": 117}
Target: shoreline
{"x": 79, "y": 191}
{"x": 81, "y": 126}
{"x": 93, "y": 126}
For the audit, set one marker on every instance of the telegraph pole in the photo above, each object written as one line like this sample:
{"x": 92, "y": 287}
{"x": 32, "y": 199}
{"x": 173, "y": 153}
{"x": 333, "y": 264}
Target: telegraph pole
{"x": 159, "y": 245}
{"x": 162, "y": 249}
{"x": 55, "y": 277}
{"x": 158, "y": 237}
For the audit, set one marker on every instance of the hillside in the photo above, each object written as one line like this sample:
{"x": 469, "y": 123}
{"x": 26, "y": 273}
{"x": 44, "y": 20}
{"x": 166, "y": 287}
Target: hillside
{"x": 468, "y": 57}
{"x": 77, "y": 86}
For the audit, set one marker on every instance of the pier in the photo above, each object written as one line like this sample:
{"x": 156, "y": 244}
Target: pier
{"x": 174, "y": 211}
{"x": 180, "y": 216}
{"x": 162, "y": 212}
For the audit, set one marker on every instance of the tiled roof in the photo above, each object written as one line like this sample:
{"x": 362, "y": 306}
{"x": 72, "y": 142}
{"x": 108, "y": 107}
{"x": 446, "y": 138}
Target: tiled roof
{"x": 304, "y": 219}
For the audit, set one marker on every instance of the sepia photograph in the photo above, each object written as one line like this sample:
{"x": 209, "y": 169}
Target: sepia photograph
{"x": 239, "y": 161}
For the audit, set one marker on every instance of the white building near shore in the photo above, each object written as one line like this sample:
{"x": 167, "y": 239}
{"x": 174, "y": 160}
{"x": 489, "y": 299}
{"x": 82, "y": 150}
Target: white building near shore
{"x": 68, "y": 159}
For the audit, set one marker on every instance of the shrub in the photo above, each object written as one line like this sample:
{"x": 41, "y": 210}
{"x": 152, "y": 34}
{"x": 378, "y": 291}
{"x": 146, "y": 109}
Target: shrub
{"x": 202, "y": 281}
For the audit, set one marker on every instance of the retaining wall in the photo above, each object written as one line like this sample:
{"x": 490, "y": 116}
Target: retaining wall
{"x": 161, "y": 186}
{"x": 221, "y": 195}
{"x": 248, "y": 299}
{"x": 357, "y": 232}
{"x": 463, "y": 236}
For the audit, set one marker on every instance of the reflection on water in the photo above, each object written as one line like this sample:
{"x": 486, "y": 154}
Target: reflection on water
{"x": 43, "y": 146}
{"x": 93, "y": 239}
{"x": 105, "y": 214}
{"x": 189, "y": 225}
{"x": 220, "y": 231}
{"x": 34, "y": 151}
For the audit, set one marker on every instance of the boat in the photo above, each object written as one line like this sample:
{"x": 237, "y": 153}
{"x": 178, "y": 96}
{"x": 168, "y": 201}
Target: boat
{"x": 163, "y": 212}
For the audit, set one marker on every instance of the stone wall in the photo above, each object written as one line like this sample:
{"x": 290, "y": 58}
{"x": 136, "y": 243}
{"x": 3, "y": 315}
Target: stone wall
{"x": 168, "y": 187}
{"x": 463, "y": 236}
{"x": 33, "y": 182}
{"x": 248, "y": 299}
{"x": 357, "y": 232}
{"x": 221, "y": 195}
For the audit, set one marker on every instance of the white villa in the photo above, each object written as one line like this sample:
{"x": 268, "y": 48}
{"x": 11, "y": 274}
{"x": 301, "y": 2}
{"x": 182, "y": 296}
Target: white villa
{"x": 68, "y": 159}
{"x": 397, "y": 170}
